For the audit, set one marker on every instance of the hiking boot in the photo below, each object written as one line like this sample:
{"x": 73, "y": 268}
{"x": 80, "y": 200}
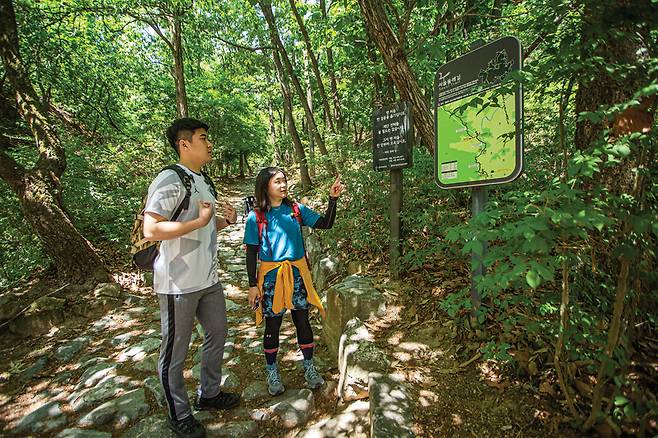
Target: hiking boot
{"x": 188, "y": 427}
{"x": 274, "y": 384}
{"x": 223, "y": 400}
{"x": 313, "y": 378}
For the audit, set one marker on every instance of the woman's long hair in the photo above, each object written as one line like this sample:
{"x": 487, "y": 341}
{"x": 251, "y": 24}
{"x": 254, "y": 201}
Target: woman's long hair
{"x": 262, "y": 183}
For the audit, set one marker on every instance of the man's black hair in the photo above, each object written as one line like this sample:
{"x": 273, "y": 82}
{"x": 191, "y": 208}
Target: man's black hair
{"x": 183, "y": 129}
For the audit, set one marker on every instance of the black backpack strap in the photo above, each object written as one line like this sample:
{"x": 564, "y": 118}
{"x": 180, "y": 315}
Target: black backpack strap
{"x": 186, "y": 179}
{"x": 208, "y": 181}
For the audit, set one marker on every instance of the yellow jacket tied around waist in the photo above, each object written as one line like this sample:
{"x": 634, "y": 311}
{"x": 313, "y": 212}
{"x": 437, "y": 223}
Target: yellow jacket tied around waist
{"x": 285, "y": 286}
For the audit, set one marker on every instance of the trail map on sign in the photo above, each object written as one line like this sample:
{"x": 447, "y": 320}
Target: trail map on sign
{"x": 480, "y": 137}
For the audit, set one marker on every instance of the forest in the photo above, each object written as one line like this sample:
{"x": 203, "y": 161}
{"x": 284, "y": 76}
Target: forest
{"x": 566, "y": 308}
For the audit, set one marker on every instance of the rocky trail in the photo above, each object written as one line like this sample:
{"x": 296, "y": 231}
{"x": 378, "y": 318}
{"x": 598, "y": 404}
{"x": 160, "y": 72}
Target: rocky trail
{"x": 92, "y": 373}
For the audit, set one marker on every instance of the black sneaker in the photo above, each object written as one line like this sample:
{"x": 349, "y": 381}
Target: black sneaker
{"x": 223, "y": 400}
{"x": 188, "y": 427}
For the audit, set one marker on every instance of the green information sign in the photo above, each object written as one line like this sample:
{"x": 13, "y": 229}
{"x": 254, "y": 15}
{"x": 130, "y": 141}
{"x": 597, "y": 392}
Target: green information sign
{"x": 478, "y": 117}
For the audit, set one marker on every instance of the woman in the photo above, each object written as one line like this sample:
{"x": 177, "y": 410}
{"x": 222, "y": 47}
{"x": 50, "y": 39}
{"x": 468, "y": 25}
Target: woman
{"x": 273, "y": 236}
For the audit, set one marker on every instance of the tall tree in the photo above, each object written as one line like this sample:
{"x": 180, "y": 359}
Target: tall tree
{"x": 338, "y": 113}
{"x": 39, "y": 188}
{"x": 314, "y": 65}
{"x": 392, "y": 50}
{"x": 266, "y": 8}
{"x": 173, "y": 14}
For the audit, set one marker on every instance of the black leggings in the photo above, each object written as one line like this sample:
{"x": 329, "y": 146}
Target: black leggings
{"x": 273, "y": 325}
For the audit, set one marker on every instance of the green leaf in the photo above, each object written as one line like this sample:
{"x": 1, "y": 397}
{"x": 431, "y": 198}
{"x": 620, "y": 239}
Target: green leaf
{"x": 533, "y": 279}
{"x": 620, "y": 400}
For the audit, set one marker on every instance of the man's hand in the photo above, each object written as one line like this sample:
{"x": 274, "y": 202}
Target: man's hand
{"x": 206, "y": 212}
{"x": 336, "y": 188}
{"x": 229, "y": 213}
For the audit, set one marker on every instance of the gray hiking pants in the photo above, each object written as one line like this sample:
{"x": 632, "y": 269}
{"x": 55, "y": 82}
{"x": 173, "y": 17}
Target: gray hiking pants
{"x": 177, "y": 313}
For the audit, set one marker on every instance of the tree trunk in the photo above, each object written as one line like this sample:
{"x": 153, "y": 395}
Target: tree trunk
{"x": 309, "y": 98}
{"x": 38, "y": 189}
{"x": 338, "y": 113}
{"x": 398, "y": 67}
{"x": 241, "y": 164}
{"x": 314, "y": 65}
{"x": 178, "y": 71}
{"x": 266, "y": 8}
{"x": 278, "y": 156}
{"x": 290, "y": 121}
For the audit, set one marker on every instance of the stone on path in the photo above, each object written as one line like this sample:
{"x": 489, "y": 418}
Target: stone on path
{"x": 353, "y": 422}
{"x": 138, "y": 352}
{"x": 84, "y": 398}
{"x": 390, "y": 408}
{"x": 112, "y": 290}
{"x": 149, "y": 364}
{"x": 46, "y": 417}
{"x": 232, "y": 306}
{"x": 35, "y": 368}
{"x": 234, "y": 429}
{"x": 294, "y": 407}
{"x": 155, "y": 426}
{"x": 256, "y": 390}
{"x": 120, "y": 411}
{"x": 152, "y": 383}
{"x": 96, "y": 374}
{"x": 66, "y": 352}
{"x": 82, "y": 433}
{"x": 354, "y": 297}
{"x": 357, "y": 357}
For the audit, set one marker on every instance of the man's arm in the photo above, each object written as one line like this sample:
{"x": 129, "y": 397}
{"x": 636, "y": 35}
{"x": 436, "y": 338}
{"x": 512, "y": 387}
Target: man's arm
{"x": 158, "y": 228}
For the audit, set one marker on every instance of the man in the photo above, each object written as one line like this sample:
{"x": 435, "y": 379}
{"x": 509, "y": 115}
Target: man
{"x": 185, "y": 276}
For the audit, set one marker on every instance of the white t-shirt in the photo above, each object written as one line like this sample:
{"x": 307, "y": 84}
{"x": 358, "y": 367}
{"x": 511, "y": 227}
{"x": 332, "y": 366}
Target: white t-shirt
{"x": 188, "y": 263}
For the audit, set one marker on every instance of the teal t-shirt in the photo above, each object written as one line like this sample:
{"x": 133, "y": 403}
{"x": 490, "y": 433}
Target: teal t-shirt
{"x": 283, "y": 232}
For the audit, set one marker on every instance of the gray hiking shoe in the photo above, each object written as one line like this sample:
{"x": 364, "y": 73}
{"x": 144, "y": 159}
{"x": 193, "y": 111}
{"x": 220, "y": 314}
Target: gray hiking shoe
{"x": 274, "y": 384}
{"x": 313, "y": 378}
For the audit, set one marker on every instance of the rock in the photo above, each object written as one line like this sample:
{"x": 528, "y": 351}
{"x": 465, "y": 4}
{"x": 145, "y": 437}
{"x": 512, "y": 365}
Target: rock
{"x": 357, "y": 357}
{"x": 66, "y": 352}
{"x": 149, "y": 427}
{"x": 84, "y": 398}
{"x": 353, "y": 422}
{"x": 35, "y": 368}
{"x": 111, "y": 290}
{"x": 138, "y": 352}
{"x": 234, "y": 429}
{"x": 232, "y": 306}
{"x": 254, "y": 391}
{"x": 230, "y": 380}
{"x": 233, "y": 362}
{"x": 46, "y": 417}
{"x": 9, "y": 307}
{"x": 43, "y": 314}
{"x": 62, "y": 377}
{"x": 313, "y": 246}
{"x": 96, "y": 374}
{"x": 356, "y": 267}
{"x": 390, "y": 408}
{"x": 82, "y": 433}
{"x": 295, "y": 408}
{"x": 235, "y": 268}
{"x": 355, "y": 296}
{"x": 152, "y": 383}
{"x": 323, "y": 270}
{"x": 149, "y": 364}
{"x": 260, "y": 415}
{"x": 121, "y": 339}
{"x": 121, "y": 410}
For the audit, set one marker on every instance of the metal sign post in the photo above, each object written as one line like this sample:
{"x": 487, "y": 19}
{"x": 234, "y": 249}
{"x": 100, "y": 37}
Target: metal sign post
{"x": 478, "y": 116}
{"x": 392, "y": 142}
